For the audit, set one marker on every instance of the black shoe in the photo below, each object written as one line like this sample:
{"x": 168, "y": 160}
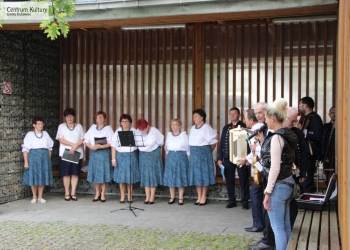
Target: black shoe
{"x": 231, "y": 205}
{"x": 254, "y": 229}
{"x": 103, "y": 200}
{"x": 260, "y": 245}
{"x": 146, "y": 202}
{"x": 67, "y": 198}
{"x": 121, "y": 202}
{"x": 245, "y": 207}
{"x": 151, "y": 202}
{"x": 94, "y": 200}
{"x": 202, "y": 204}
{"x": 172, "y": 201}
{"x": 129, "y": 201}
{"x": 180, "y": 203}
{"x": 196, "y": 203}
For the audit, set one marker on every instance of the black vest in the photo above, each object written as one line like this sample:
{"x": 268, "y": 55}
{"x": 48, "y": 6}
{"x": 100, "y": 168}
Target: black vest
{"x": 287, "y": 159}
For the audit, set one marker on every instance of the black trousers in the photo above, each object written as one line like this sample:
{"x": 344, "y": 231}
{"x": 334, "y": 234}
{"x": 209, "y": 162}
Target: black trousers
{"x": 230, "y": 175}
{"x": 308, "y": 186}
{"x": 257, "y": 198}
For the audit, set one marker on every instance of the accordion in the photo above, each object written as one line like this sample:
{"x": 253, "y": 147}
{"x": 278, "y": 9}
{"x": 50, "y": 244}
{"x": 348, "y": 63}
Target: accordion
{"x": 238, "y": 144}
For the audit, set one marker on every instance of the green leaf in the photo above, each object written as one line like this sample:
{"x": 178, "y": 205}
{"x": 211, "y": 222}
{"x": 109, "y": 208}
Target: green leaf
{"x": 64, "y": 27}
{"x": 52, "y": 31}
{"x": 44, "y": 24}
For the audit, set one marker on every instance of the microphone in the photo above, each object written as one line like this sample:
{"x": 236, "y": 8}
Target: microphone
{"x": 261, "y": 129}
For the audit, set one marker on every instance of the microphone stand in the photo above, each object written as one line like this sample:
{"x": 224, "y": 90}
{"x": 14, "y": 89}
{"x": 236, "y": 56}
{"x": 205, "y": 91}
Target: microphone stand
{"x": 131, "y": 143}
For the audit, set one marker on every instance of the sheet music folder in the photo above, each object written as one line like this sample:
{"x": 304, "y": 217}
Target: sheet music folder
{"x": 71, "y": 157}
{"x": 126, "y": 138}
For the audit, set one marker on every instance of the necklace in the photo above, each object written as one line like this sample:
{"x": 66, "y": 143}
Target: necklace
{"x": 71, "y": 129}
{"x": 100, "y": 128}
{"x": 199, "y": 126}
{"x": 39, "y": 137}
{"x": 177, "y": 134}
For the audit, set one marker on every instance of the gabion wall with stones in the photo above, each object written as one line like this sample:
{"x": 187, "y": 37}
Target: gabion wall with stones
{"x": 30, "y": 62}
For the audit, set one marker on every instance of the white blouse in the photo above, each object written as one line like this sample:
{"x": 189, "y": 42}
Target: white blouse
{"x": 202, "y": 136}
{"x": 72, "y": 136}
{"x": 177, "y": 143}
{"x": 31, "y": 141}
{"x": 116, "y": 142}
{"x": 93, "y": 133}
{"x": 150, "y": 141}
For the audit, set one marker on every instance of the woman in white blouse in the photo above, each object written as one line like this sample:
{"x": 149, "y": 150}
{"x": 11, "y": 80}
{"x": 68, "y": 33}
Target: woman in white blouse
{"x": 150, "y": 159}
{"x": 71, "y": 136}
{"x": 125, "y": 160}
{"x": 176, "y": 165}
{"x": 202, "y": 141}
{"x": 98, "y": 138}
{"x": 37, "y": 148}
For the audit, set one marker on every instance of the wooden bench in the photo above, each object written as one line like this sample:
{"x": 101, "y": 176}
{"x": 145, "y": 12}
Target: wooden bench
{"x": 316, "y": 230}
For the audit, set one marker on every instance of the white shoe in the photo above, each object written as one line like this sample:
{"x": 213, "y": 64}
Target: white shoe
{"x": 41, "y": 201}
{"x": 33, "y": 201}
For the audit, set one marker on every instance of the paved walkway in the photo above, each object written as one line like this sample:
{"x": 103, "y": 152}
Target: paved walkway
{"x": 84, "y": 224}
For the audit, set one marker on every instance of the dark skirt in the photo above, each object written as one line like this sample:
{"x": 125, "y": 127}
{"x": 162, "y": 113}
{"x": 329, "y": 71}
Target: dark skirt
{"x": 100, "y": 167}
{"x": 176, "y": 169}
{"x": 151, "y": 167}
{"x": 122, "y": 170}
{"x": 201, "y": 166}
{"x": 69, "y": 168}
{"x": 39, "y": 172}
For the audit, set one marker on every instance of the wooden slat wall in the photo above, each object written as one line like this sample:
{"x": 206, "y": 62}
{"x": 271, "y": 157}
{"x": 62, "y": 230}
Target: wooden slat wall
{"x": 147, "y": 74}
{"x": 267, "y": 61}
{"x": 342, "y": 120}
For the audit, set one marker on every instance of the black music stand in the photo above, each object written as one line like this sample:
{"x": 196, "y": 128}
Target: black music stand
{"x": 126, "y": 139}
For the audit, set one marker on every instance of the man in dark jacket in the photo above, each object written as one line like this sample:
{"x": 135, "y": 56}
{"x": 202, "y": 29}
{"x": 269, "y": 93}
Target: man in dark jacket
{"x": 230, "y": 168}
{"x": 312, "y": 130}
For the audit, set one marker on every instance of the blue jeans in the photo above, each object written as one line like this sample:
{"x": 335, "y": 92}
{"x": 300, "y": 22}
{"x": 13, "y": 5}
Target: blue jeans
{"x": 279, "y": 214}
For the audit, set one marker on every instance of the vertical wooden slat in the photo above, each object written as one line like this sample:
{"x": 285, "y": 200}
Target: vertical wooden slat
{"x": 250, "y": 64}
{"x": 198, "y": 62}
{"x": 274, "y": 38}
{"x": 234, "y": 63}
{"x": 121, "y": 74}
{"x": 211, "y": 83}
{"x": 94, "y": 52}
{"x": 128, "y": 83}
{"x": 106, "y": 98}
{"x": 266, "y": 60}
{"x": 81, "y": 86}
{"x": 316, "y": 59}
{"x": 156, "y": 76}
{"x": 100, "y": 65}
{"x": 67, "y": 55}
{"x": 114, "y": 80}
{"x": 242, "y": 66}
{"x": 218, "y": 81}
{"x": 334, "y": 64}
{"x": 171, "y": 80}
{"x": 73, "y": 48}
{"x": 135, "y": 76}
{"x": 142, "y": 104}
{"x": 291, "y": 65}
{"x": 87, "y": 80}
{"x": 185, "y": 122}
{"x": 164, "y": 33}
{"x": 226, "y": 74}
{"x": 307, "y": 57}
{"x": 62, "y": 49}
{"x": 149, "y": 103}
{"x": 257, "y": 63}
{"x": 283, "y": 30}
{"x": 299, "y": 56}
{"x": 325, "y": 42}
{"x": 178, "y": 92}
{"x": 87, "y": 110}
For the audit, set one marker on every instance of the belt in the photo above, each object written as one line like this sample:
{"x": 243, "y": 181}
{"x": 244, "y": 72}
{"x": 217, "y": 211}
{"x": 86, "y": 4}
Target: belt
{"x": 286, "y": 183}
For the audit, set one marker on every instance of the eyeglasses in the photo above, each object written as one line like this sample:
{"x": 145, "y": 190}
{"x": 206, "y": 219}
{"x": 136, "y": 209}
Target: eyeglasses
{"x": 292, "y": 121}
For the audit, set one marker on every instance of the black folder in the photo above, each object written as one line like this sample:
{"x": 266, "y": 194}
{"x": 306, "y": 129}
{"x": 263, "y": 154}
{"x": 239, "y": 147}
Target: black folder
{"x": 71, "y": 157}
{"x": 101, "y": 140}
